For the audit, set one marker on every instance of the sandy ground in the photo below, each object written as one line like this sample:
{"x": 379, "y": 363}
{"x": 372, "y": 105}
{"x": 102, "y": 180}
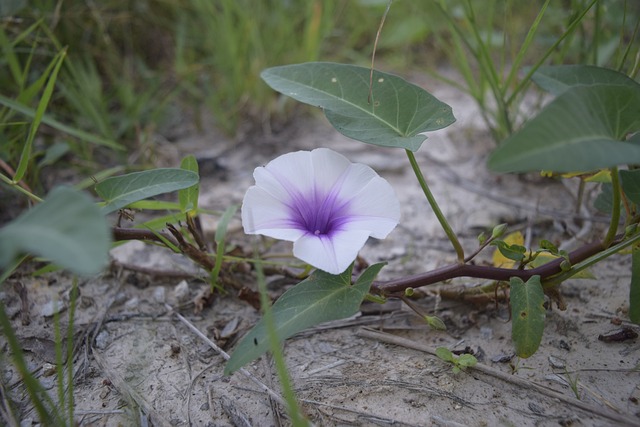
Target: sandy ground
{"x": 138, "y": 362}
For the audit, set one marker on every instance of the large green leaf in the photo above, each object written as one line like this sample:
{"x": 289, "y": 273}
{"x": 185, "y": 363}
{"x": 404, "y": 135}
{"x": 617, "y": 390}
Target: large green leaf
{"x": 396, "y": 116}
{"x": 634, "y": 289}
{"x": 558, "y": 78}
{"x": 120, "y": 191}
{"x": 67, "y": 228}
{"x": 630, "y": 180}
{"x": 527, "y": 314}
{"x": 320, "y": 298}
{"x": 582, "y": 129}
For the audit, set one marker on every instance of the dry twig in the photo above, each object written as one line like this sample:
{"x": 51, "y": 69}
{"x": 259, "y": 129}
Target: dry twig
{"x": 512, "y": 379}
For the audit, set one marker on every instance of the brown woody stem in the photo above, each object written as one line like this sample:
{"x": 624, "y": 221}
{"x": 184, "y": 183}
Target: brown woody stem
{"x": 390, "y": 287}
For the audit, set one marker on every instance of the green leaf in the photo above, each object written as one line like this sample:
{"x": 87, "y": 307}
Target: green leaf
{"x": 188, "y": 197}
{"x": 396, "y": 116}
{"x": 120, "y": 191}
{"x": 581, "y": 130}
{"x": 630, "y": 180}
{"x": 558, "y": 78}
{"x": 549, "y": 246}
{"x": 634, "y": 289}
{"x": 54, "y": 153}
{"x": 160, "y": 222}
{"x": 466, "y": 360}
{"x": 445, "y": 354}
{"x": 320, "y": 298}
{"x": 155, "y": 205}
{"x": 512, "y": 252}
{"x": 527, "y": 314}
{"x": 435, "y": 323}
{"x": 604, "y": 200}
{"x": 66, "y": 228}
{"x": 499, "y": 230}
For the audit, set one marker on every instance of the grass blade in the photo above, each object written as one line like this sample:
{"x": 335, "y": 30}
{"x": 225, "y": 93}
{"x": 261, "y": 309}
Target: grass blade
{"x": 80, "y": 134}
{"x": 41, "y": 401}
{"x": 25, "y": 157}
{"x": 221, "y": 233}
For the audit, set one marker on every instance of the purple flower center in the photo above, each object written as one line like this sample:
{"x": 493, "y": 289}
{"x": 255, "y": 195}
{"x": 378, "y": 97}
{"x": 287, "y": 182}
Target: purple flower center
{"x": 317, "y": 213}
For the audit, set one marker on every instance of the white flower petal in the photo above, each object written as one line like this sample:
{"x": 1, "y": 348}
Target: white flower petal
{"x": 374, "y": 208}
{"x": 286, "y": 175}
{"x": 328, "y": 168}
{"x": 304, "y": 172}
{"x": 356, "y": 178}
{"x": 332, "y": 254}
{"x": 264, "y": 214}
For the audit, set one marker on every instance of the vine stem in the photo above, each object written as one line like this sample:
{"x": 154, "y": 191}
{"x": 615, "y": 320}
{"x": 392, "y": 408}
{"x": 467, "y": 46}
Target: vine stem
{"x": 18, "y": 186}
{"x": 388, "y": 288}
{"x": 615, "y": 210}
{"x": 436, "y": 209}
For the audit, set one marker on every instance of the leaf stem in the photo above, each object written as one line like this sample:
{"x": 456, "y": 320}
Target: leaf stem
{"x": 436, "y": 209}
{"x": 578, "y": 267}
{"x": 615, "y": 212}
{"x": 19, "y": 187}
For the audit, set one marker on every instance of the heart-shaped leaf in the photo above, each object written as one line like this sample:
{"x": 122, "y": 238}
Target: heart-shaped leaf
{"x": 67, "y": 228}
{"x": 558, "y": 78}
{"x": 527, "y": 314}
{"x": 581, "y": 130}
{"x": 630, "y": 180}
{"x": 396, "y": 115}
{"x": 320, "y": 298}
{"x": 120, "y": 191}
{"x": 604, "y": 200}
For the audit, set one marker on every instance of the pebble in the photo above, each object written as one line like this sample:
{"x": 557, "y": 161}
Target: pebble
{"x": 48, "y": 369}
{"x": 102, "y": 340}
{"x": 486, "y": 333}
{"x": 556, "y": 363}
{"x": 132, "y": 303}
{"x": 181, "y": 292}
{"x": 502, "y": 358}
{"x": 119, "y": 299}
{"x": 205, "y": 352}
{"x": 50, "y": 308}
{"x": 230, "y": 328}
{"x": 159, "y": 294}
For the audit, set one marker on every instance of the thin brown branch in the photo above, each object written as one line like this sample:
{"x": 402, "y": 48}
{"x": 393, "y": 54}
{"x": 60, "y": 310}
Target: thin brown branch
{"x": 200, "y": 257}
{"x": 9, "y": 170}
{"x": 483, "y": 272}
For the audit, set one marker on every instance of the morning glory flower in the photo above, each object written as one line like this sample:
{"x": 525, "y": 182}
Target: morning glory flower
{"x": 326, "y": 205}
